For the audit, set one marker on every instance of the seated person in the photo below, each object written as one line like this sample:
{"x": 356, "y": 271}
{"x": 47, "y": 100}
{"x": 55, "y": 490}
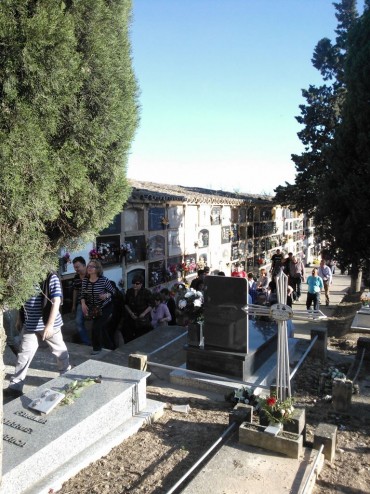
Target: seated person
{"x": 160, "y": 314}
{"x": 272, "y": 297}
{"x": 262, "y": 287}
{"x": 263, "y": 281}
{"x": 252, "y": 287}
{"x": 171, "y": 304}
{"x": 198, "y": 281}
{"x": 239, "y": 271}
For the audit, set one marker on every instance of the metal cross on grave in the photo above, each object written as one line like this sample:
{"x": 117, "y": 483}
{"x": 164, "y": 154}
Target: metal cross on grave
{"x": 281, "y": 313}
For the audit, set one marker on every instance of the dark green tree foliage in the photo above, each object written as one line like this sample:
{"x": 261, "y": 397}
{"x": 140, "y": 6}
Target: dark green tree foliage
{"x": 68, "y": 113}
{"x": 320, "y": 116}
{"x": 346, "y": 205}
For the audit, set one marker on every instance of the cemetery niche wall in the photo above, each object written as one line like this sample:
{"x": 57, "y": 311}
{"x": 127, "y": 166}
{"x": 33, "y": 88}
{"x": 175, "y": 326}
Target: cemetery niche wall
{"x": 234, "y": 345}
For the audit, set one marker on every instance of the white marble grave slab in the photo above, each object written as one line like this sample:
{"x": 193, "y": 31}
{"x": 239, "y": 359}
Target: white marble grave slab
{"x": 36, "y": 445}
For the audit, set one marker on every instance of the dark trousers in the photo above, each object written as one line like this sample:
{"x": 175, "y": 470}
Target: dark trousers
{"x": 99, "y": 334}
{"x": 134, "y": 328}
{"x": 313, "y": 298}
{"x": 295, "y": 283}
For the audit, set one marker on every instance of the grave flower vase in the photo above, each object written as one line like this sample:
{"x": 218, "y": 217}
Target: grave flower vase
{"x": 264, "y": 420}
{"x": 287, "y": 443}
{"x": 193, "y": 334}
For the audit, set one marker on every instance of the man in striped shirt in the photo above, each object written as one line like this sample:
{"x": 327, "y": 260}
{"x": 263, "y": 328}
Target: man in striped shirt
{"x": 35, "y": 329}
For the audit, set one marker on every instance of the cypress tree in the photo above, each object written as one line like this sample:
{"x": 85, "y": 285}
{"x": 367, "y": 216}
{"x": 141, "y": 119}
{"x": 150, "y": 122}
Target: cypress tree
{"x": 320, "y": 116}
{"x": 345, "y": 206}
{"x": 67, "y": 118}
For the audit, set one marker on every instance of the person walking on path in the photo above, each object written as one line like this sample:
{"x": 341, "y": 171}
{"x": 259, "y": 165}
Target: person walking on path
{"x": 315, "y": 285}
{"x": 296, "y": 276}
{"x": 38, "y": 325}
{"x": 327, "y": 277}
{"x": 277, "y": 261}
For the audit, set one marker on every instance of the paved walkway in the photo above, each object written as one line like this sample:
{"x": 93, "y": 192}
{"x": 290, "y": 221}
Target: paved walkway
{"x": 338, "y": 290}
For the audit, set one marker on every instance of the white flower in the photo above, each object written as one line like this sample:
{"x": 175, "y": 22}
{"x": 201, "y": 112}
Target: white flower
{"x": 182, "y": 304}
{"x": 191, "y": 293}
{"x": 197, "y": 303}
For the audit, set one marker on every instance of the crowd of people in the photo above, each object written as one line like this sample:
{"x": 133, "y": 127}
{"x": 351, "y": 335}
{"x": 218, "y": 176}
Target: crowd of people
{"x": 262, "y": 289}
{"x": 108, "y": 311}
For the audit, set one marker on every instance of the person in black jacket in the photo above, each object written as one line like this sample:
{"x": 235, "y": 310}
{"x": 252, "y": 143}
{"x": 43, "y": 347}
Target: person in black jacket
{"x": 137, "y": 310}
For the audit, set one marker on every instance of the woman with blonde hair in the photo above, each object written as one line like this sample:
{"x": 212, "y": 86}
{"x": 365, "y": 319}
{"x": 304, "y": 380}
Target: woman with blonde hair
{"x": 96, "y": 303}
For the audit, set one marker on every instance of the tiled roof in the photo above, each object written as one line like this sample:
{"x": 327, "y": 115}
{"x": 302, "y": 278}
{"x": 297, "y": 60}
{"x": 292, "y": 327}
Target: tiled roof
{"x": 154, "y": 192}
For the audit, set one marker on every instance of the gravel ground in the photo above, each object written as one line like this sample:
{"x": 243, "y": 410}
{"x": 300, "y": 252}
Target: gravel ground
{"x": 154, "y": 459}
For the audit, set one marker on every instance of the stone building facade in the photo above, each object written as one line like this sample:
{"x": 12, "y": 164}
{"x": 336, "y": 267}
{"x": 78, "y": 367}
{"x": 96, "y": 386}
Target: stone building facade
{"x": 167, "y": 232}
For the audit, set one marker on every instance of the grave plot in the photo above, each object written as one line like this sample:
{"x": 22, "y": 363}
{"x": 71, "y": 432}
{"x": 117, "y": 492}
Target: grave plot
{"x": 40, "y": 451}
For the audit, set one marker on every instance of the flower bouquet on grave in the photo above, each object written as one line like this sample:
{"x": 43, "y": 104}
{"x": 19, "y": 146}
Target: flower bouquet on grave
{"x": 190, "y": 303}
{"x": 94, "y": 254}
{"x": 275, "y": 411}
{"x": 242, "y": 395}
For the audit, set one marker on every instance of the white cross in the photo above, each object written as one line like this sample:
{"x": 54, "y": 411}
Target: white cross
{"x": 281, "y": 313}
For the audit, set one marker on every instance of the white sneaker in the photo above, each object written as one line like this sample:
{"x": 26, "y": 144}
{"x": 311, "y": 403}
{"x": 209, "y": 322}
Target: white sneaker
{"x": 64, "y": 371}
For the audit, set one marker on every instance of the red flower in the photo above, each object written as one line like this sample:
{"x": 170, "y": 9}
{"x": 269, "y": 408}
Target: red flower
{"x": 271, "y": 401}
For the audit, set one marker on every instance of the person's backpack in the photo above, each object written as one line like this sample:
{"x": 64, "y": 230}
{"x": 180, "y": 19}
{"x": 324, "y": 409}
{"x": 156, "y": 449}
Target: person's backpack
{"x": 46, "y": 302}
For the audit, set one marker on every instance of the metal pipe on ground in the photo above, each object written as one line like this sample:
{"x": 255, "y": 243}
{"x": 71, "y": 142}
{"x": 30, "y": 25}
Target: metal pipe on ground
{"x": 225, "y": 434}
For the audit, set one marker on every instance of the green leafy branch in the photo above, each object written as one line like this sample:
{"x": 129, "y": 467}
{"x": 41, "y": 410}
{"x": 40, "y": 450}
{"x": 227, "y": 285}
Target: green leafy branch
{"x": 73, "y": 391}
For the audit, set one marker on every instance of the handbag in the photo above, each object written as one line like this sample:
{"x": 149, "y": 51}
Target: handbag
{"x": 93, "y": 313}
{"x": 95, "y": 310}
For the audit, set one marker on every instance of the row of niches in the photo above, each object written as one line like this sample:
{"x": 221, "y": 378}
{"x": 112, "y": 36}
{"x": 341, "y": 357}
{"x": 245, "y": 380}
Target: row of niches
{"x": 158, "y": 218}
{"x": 139, "y": 248}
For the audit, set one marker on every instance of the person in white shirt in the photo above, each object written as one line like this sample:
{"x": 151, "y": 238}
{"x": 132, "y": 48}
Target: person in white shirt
{"x": 327, "y": 277}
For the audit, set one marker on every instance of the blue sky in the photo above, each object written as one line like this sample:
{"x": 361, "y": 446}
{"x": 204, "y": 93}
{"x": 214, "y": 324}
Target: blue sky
{"x": 220, "y": 84}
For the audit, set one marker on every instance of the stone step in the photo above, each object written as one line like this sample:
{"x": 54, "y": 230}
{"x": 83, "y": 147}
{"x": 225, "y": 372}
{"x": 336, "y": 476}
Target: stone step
{"x": 97, "y": 418}
{"x": 263, "y": 377}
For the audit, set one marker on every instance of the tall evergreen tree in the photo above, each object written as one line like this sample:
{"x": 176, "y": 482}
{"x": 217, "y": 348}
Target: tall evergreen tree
{"x": 332, "y": 173}
{"x": 346, "y": 205}
{"x": 320, "y": 116}
{"x": 68, "y": 113}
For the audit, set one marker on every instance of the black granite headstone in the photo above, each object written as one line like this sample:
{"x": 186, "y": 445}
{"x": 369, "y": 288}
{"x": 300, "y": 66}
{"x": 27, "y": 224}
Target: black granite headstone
{"x": 225, "y": 322}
